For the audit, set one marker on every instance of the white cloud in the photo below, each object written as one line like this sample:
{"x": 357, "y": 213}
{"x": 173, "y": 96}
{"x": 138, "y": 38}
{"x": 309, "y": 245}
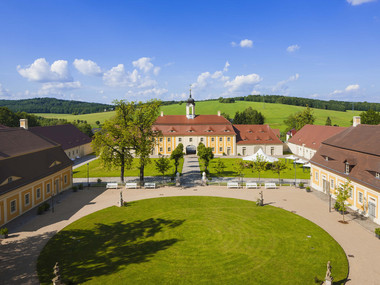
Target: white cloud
{"x": 153, "y": 91}
{"x": 233, "y": 44}
{"x": 87, "y": 67}
{"x": 246, "y": 43}
{"x": 292, "y": 48}
{"x": 57, "y": 88}
{"x": 225, "y": 69}
{"x": 353, "y": 87}
{"x": 242, "y": 82}
{"x": 144, "y": 64}
{"x": 116, "y": 76}
{"x": 41, "y": 71}
{"x": 4, "y": 93}
{"x": 281, "y": 86}
{"x": 359, "y": 2}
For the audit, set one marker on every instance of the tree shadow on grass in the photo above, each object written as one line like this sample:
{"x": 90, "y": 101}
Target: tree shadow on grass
{"x": 103, "y": 250}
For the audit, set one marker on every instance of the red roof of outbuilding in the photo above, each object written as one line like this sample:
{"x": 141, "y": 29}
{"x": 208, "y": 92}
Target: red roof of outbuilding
{"x": 313, "y": 135}
{"x": 255, "y": 134}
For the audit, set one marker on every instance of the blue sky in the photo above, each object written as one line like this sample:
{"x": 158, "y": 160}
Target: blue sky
{"x": 100, "y": 51}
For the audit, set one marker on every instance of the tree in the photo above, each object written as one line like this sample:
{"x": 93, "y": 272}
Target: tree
{"x": 300, "y": 119}
{"x": 258, "y": 165}
{"x": 162, "y": 165}
{"x": 176, "y": 155}
{"x": 370, "y": 117}
{"x": 220, "y": 166}
{"x": 205, "y": 153}
{"x": 8, "y": 118}
{"x": 342, "y": 194}
{"x": 239, "y": 168}
{"x": 328, "y": 122}
{"x": 97, "y": 123}
{"x": 249, "y": 116}
{"x": 278, "y": 167}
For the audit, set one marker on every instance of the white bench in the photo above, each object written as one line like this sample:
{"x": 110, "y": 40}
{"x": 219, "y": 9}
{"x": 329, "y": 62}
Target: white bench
{"x": 130, "y": 185}
{"x": 112, "y": 185}
{"x": 150, "y": 185}
{"x": 233, "y": 185}
{"x": 251, "y": 185}
{"x": 270, "y": 185}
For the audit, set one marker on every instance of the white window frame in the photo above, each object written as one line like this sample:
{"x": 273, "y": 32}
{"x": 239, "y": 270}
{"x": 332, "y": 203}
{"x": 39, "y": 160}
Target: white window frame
{"x": 27, "y": 195}
{"x": 161, "y": 149}
{"x": 190, "y": 139}
{"x": 161, "y": 139}
{"x": 316, "y": 175}
{"x": 360, "y": 194}
{"x": 15, "y": 206}
{"x": 169, "y": 149}
{"x": 347, "y": 168}
{"x": 377, "y": 175}
{"x": 169, "y": 139}
{"x": 220, "y": 148}
{"x": 212, "y": 139}
{"x": 332, "y": 183}
{"x": 38, "y": 193}
{"x": 213, "y": 149}
{"x": 48, "y": 188}
{"x": 220, "y": 139}
{"x": 179, "y": 139}
{"x": 228, "y": 139}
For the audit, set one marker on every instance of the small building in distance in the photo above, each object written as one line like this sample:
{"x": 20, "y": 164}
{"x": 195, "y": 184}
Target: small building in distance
{"x": 75, "y": 143}
{"x": 307, "y": 140}
{"x": 353, "y": 154}
{"x": 32, "y": 169}
{"x": 213, "y": 131}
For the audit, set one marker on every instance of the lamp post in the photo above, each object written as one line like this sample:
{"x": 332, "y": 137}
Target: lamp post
{"x": 295, "y": 173}
{"x": 88, "y": 175}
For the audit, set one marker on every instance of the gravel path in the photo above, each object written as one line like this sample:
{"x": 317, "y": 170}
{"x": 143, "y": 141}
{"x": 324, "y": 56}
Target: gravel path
{"x": 18, "y": 253}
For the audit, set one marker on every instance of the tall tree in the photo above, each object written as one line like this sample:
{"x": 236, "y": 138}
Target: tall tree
{"x": 220, "y": 166}
{"x": 370, "y": 117}
{"x": 239, "y": 168}
{"x": 342, "y": 194}
{"x": 328, "y": 121}
{"x": 205, "y": 153}
{"x": 300, "y": 119}
{"x": 278, "y": 167}
{"x": 8, "y": 118}
{"x": 176, "y": 155}
{"x": 249, "y": 116}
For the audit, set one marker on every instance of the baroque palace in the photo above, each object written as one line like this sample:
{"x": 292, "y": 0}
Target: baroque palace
{"x": 213, "y": 131}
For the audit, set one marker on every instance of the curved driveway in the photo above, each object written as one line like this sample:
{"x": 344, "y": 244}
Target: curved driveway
{"x": 18, "y": 253}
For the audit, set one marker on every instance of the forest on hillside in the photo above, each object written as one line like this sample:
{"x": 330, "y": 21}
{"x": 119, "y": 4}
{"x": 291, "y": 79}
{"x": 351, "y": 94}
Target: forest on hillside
{"x": 52, "y": 105}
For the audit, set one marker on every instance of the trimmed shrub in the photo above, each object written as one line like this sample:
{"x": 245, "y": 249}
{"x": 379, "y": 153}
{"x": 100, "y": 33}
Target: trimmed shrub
{"x": 301, "y": 184}
{"x": 4, "y": 231}
{"x": 377, "y": 232}
{"x": 40, "y": 210}
{"x": 80, "y": 186}
{"x": 46, "y": 206}
{"x": 99, "y": 180}
{"x": 75, "y": 188}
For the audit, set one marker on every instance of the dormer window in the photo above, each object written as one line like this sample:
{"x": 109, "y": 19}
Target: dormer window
{"x": 10, "y": 179}
{"x": 377, "y": 175}
{"x": 327, "y": 158}
{"x": 347, "y": 169}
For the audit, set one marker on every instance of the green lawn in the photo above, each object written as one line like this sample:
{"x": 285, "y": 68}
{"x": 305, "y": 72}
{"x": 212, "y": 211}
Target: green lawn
{"x": 275, "y": 114}
{"x": 97, "y": 170}
{"x": 230, "y": 163}
{"x": 192, "y": 240}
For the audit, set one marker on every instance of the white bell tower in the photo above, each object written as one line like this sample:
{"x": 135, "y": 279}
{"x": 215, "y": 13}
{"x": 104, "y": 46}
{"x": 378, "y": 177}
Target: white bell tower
{"x": 190, "y": 107}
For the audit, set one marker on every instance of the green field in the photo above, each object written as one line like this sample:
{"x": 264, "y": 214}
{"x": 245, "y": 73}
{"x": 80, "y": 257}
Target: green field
{"x": 97, "y": 170}
{"x": 275, "y": 114}
{"x": 230, "y": 171}
{"x": 192, "y": 240}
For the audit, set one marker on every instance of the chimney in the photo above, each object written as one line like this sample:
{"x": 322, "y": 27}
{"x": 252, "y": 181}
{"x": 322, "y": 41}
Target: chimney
{"x": 356, "y": 121}
{"x": 219, "y": 113}
{"x": 162, "y": 113}
{"x": 24, "y": 123}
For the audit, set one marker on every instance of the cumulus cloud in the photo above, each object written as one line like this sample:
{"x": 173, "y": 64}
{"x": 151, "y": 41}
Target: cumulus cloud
{"x": 281, "y": 86}
{"x": 246, "y": 43}
{"x": 153, "y": 91}
{"x": 87, "y": 67}
{"x": 206, "y": 79}
{"x": 243, "y": 82}
{"x": 145, "y": 65}
{"x": 292, "y": 48}
{"x": 348, "y": 89}
{"x": 41, "y": 71}
{"x": 4, "y": 93}
{"x": 225, "y": 69}
{"x": 359, "y": 2}
{"x": 58, "y": 88}
{"x": 116, "y": 76}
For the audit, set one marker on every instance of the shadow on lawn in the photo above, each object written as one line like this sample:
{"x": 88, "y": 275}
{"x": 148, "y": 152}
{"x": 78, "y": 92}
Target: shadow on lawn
{"x": 103, "y": 250}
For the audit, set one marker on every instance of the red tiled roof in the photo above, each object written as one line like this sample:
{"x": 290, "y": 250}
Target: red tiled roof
{"x": 358, "y": 146}
{"x": 255, "y": 134}
{"x": 68, "y": 136}
{"x": 195, "y": 130}
{"x": 313, "y": 135}
{"x": 198, "y": 120}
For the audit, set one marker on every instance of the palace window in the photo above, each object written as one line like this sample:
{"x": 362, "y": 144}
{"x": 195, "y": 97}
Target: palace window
{"x": 48, "y": 188}
{"x": 10, "y": 179}
{"x": 201, "y": 139}
{"x": 350, "y": 193}
{"x": 347, "y": 169}
{"x": 13, "y": 206}
{"x": 179, "y": 139}
{"x": 168, "y": 139}
{"x": 212, "y": 139}
{"x": 38, "y": 193}
{"x": 332, "y": 183}
{"x": 27, "y": 199}
{"x": 220, "y": 139}
{"x": 360, "y": 197}
{"x": 65, "y": 179}
{"x": 169, "y": 149}
{"x": 190, "y": 139}
{"x": 221, "y": 149}
{"x": 213, "y": 149}
{"x": 228, "y": 139}
{"x": 161, "y": 139}
{"x": 316, "y": 176}
{"x": 161, "y": 149}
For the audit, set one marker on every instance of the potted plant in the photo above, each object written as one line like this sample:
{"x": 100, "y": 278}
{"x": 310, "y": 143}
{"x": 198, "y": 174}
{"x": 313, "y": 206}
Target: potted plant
{"x": 308, "y": 189}
{"x": 377, "y": 232}
{"x": 3, "y": 232}
{"x": 301, "y": 184}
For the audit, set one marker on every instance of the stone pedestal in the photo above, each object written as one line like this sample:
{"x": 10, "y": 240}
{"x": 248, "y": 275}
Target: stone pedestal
{"x": 177, "y": 180}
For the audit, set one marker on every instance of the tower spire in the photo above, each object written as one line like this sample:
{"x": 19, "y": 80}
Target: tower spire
{"x": 190, "y": 90}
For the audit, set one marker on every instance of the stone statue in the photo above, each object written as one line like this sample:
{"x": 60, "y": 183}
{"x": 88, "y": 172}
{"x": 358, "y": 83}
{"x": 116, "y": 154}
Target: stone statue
{"x": 121, "y": 199}
{"x": 328, "y": 278}
{"x": 204, "y": 178}
{"x": 261, "y": 199}
{"x": 177, "y": 180}
{"x": 57, "y": 279}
